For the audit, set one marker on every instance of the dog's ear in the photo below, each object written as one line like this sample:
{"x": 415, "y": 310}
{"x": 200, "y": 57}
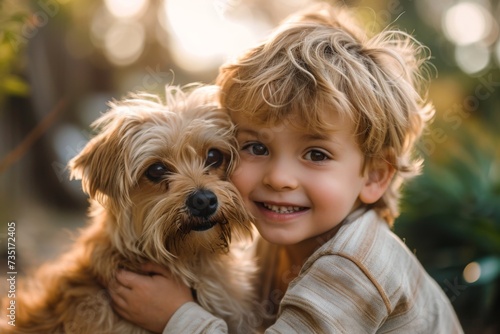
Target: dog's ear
{"x": 101, "y": 164}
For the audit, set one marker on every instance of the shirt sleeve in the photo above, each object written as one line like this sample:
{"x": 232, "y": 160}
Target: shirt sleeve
{"x": 192, "y": 318}
{"x": 334, "y": 295}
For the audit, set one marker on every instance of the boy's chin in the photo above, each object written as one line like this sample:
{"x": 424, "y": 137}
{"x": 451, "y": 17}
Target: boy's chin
{"x": 277, "y": 236}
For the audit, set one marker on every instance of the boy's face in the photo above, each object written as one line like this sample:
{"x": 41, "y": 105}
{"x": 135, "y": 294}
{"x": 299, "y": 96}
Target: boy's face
{"x": 296, "y": 184}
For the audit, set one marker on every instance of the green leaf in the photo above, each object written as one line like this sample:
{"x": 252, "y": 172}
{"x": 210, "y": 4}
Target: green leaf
{"x": 15, "y": 86}
{"x": 19, "y": 17}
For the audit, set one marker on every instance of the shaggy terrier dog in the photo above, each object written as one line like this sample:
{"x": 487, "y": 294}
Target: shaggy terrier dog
{"x": 157, "y": 176}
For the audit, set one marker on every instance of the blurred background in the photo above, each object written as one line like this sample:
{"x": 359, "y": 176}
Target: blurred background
{"x": 62, "y": 60}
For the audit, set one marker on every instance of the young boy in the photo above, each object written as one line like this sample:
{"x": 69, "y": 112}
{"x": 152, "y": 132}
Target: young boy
{"x": 327, "y": 121}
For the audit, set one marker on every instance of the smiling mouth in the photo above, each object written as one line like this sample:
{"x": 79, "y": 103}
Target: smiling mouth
{"x": 282, "y": 209}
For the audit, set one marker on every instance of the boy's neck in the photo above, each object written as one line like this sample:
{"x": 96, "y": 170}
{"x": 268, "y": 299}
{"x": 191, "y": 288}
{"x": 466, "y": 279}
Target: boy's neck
{"x": 299, "y": 253}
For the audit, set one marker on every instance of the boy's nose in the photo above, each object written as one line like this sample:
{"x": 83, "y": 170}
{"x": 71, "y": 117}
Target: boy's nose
{"x": 280, "y": 176}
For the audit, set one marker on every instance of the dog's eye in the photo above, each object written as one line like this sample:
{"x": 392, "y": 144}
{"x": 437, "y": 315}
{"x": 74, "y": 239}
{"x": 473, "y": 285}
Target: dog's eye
{"x": 215, "y": 158}
{"x": 156, "y": 172}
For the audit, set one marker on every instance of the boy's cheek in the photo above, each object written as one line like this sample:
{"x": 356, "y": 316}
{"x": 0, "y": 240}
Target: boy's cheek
{"x": 242, "y": 177}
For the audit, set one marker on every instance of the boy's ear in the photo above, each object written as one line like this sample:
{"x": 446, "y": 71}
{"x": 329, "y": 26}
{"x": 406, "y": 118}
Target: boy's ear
{"x": 378, "y": 173}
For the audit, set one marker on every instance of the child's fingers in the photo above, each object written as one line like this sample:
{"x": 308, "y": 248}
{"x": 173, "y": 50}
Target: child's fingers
{"x": 121, "y": 307}
{"x": 117, "y": 296}
{"x": 126, "y": 278}
{"x": 119, "y": 288}
{"x": 155, "y": 269}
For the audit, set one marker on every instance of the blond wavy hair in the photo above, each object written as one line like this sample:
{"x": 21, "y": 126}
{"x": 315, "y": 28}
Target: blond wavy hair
{"x": 321, "y": 60}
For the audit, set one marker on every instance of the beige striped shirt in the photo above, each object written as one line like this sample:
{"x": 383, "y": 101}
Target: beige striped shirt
{"x": 363, "y": 280}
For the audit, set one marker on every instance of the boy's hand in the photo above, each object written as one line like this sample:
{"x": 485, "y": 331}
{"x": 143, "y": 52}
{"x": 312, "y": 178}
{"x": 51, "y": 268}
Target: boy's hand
{"x": 149, "y": 301}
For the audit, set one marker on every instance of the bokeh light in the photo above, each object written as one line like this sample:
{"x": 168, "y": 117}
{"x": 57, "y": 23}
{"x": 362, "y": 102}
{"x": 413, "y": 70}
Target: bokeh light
{"x": 473, "y": 30}
{"x": 472, "y": 272}
{"x": 201, "y": 39}
{"x": 497, "y": 52}
{"x": 124, "y": 42}
{"x": 126, "y": 8}
{"x": 472, "y": 58}
{"x": 466, "y": 23}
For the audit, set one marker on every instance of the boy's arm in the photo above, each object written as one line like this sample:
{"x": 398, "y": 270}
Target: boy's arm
{"x": 192, "y": 318}
{"x": 337, "y": 294}
{"x": 334, "y": 295}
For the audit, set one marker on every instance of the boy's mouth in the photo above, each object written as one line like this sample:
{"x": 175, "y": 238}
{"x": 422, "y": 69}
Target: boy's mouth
{"x": 282, "y": 208}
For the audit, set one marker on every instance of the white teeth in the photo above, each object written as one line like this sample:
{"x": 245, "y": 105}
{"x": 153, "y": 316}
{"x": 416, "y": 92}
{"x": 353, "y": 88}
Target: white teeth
{"x": 282, "y": 209}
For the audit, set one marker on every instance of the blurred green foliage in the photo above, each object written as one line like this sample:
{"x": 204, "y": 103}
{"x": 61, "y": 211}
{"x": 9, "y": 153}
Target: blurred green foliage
{"x": 450, "y": 215}
{"x": 13, "y": 15}
{"x": 459, "y": 191}
{"x": 451, "y": 218}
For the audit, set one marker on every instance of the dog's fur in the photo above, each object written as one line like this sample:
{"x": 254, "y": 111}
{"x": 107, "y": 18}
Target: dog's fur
{"x": 141, "y": 171}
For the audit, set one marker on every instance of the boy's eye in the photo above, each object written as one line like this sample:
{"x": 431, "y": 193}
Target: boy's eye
{"x": 256, "y": 149}
{"x": 315, "y": 155}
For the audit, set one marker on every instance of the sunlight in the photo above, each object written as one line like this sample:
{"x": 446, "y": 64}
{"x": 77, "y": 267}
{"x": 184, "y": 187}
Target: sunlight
{"x": 124, "y": 8}
{"x": 472, "y": 58}
{"x": 466, "y": 23}
{"x": 124, "y": 42}
{"x": 497, "y": 52}
{"x": 201, "y": 39}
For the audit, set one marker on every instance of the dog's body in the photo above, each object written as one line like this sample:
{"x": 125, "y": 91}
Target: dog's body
{"x": 157, "y": 176}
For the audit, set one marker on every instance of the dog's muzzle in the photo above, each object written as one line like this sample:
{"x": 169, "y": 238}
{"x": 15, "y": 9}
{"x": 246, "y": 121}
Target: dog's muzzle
{"x": 202, "y": 203}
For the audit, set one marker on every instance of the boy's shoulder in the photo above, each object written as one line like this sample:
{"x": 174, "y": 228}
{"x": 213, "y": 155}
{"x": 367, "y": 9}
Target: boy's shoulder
{"x": 365, "y": 255}
{"x": 368, "y": 244}
{"x": 365, "y": 237}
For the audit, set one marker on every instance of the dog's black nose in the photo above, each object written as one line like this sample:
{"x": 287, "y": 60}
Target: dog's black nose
{"x": 202, "y": 203}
